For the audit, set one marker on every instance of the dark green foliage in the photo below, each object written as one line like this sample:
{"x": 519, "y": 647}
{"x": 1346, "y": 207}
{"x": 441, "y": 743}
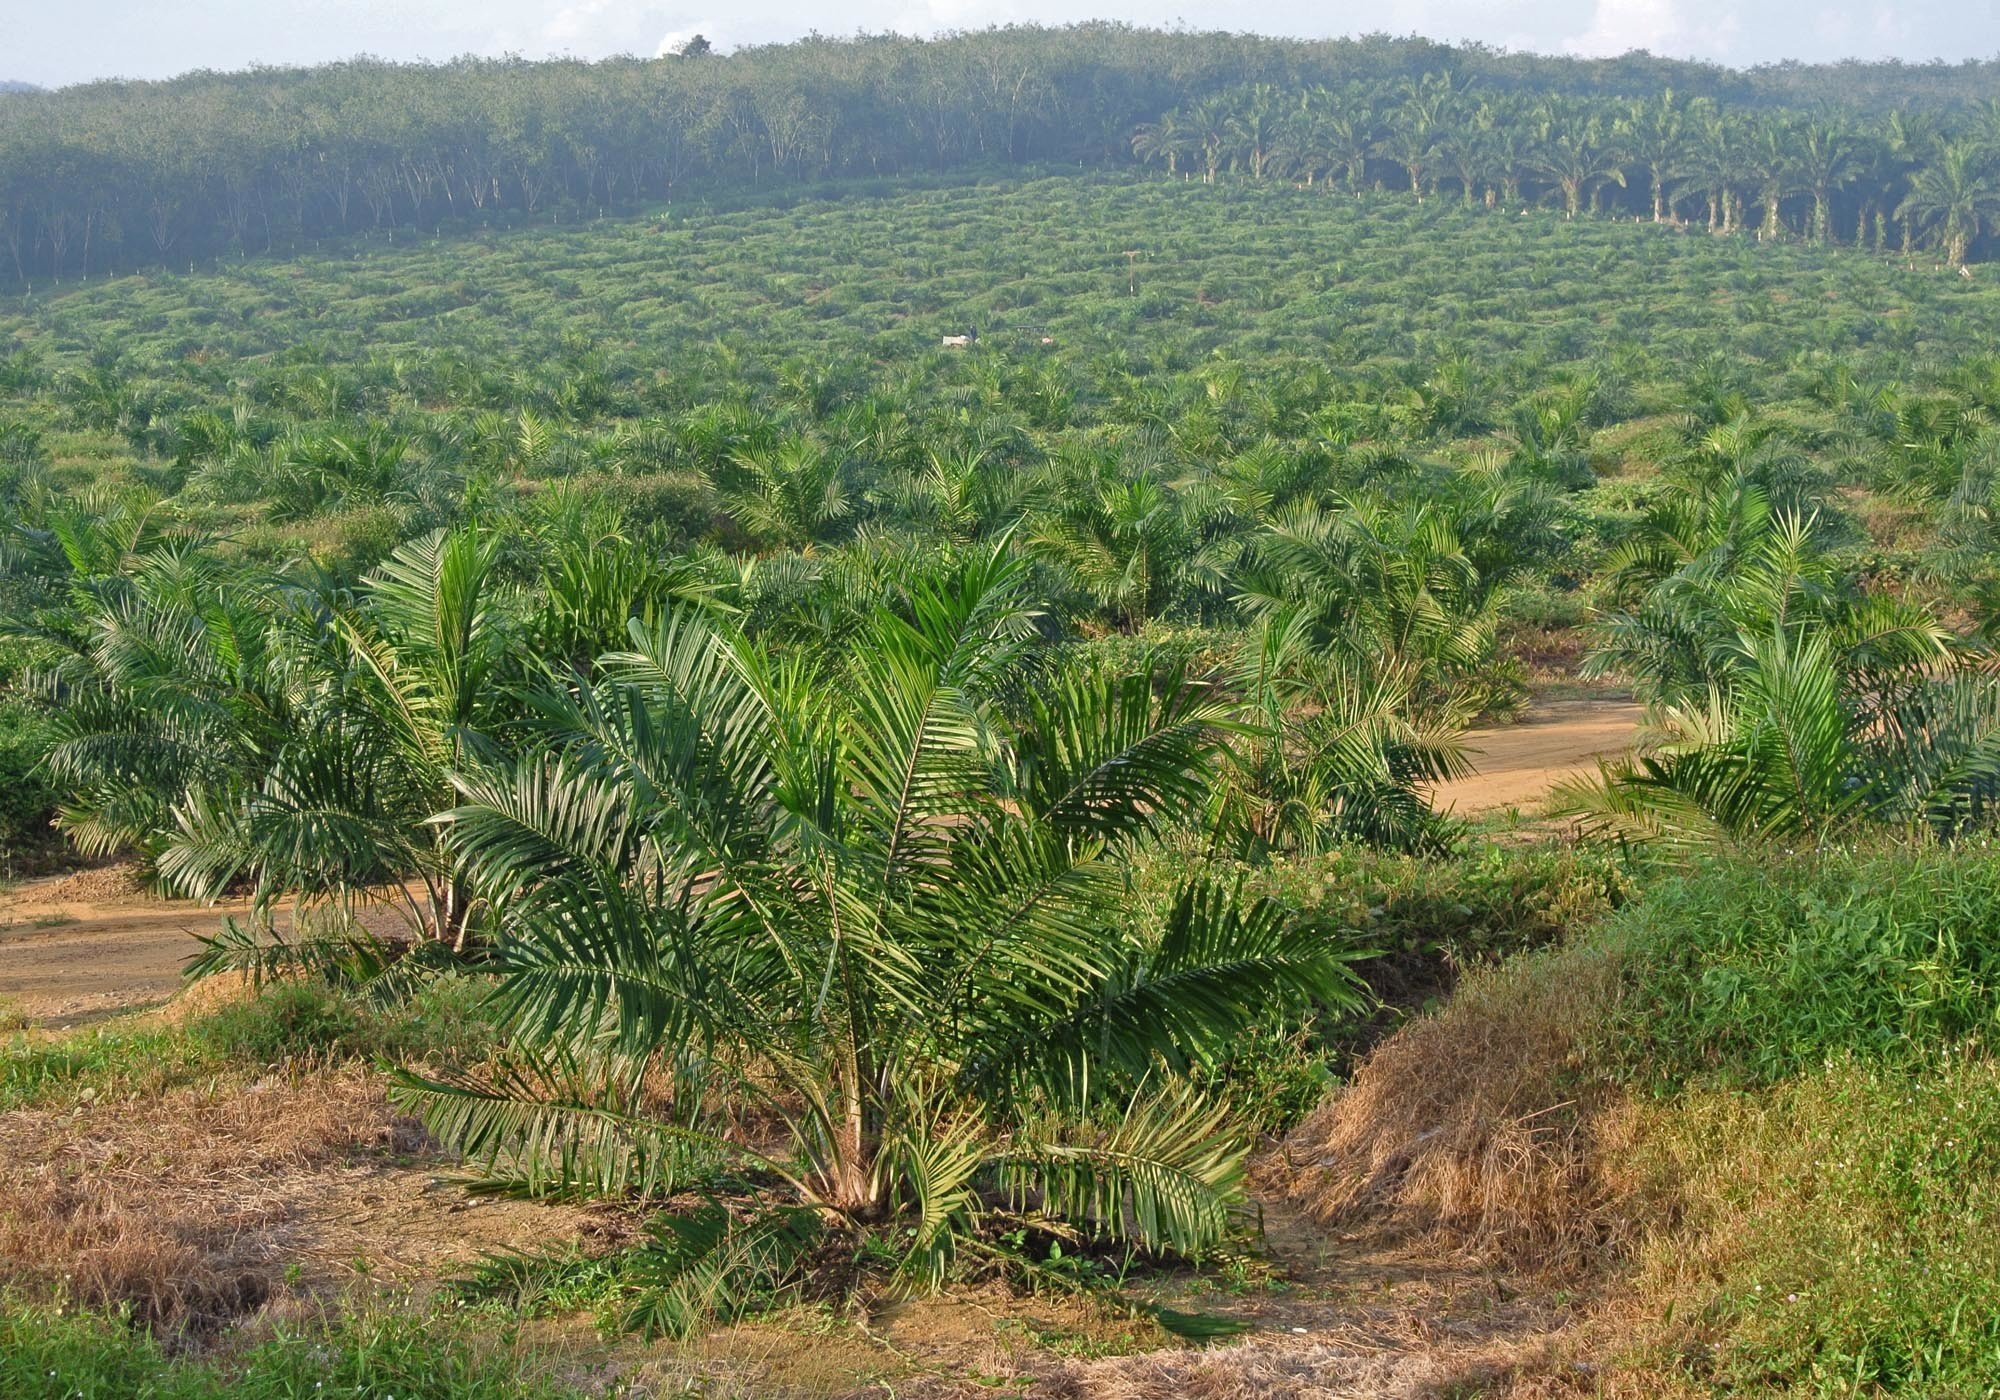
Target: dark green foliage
{"x": 27, "y": 799}
{"x": 710, "y": 1264}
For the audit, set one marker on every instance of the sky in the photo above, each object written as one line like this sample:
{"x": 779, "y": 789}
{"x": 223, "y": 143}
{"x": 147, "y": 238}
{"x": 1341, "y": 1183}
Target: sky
{"x": 55, "y": 42}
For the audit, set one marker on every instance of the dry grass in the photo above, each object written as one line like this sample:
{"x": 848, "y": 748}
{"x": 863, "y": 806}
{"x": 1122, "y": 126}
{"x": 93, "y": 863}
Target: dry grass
{"x": 208, "y": 1201}
{"x": 175, "y": 1206}
{"x": 1472, "y": 1126}
{"x": 1350, "y": 1365}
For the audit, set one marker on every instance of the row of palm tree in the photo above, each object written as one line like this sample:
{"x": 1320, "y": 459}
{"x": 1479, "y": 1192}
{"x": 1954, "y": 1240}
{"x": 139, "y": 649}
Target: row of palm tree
{"x": 1784, "y": 173}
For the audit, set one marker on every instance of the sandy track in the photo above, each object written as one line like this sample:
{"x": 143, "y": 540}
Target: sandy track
{"x": 1518, "y": 763}
{"x": 80, "y": 947}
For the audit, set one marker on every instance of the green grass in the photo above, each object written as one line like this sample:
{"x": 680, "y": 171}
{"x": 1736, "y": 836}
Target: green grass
{"x": 288, "y": 1025}
{"x": 1814, "y": 1141}
{"x": 378, "y": 1353}
{"x": 1845, "y": 1229}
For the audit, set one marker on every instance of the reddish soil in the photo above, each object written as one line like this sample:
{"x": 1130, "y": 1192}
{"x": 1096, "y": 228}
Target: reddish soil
{"x": 77, "y": 948}
{"x": 1519, "y": 763}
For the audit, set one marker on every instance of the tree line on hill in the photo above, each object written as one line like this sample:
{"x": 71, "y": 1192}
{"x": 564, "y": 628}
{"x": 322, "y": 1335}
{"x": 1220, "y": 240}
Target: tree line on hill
{"x": 131, "y": 174}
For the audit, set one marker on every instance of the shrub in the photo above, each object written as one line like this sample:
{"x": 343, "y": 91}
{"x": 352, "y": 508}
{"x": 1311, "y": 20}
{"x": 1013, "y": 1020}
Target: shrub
{"x": 1428, "y": 919}
{"x": 1749, "y": 970}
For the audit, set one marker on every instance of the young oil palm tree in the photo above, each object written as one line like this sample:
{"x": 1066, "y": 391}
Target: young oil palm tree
{"x": 1791, "y": 704}
{"x": 826, "y": 928}
{"x": 1802, "y": 746}
{"x": 1128, "y": 546}
{"x": 1344, "y": 747}
{"x": 393, "y": 691}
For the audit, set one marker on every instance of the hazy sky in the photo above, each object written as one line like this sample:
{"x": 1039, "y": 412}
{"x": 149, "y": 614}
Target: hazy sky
{"x": 64, "y": 41}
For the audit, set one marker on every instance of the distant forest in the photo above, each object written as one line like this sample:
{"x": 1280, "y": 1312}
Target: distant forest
{"x": 166, "y": 174}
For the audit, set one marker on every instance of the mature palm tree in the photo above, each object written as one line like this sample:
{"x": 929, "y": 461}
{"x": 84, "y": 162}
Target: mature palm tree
{"x": 1256, "y": 126}
{"x": 1955, "y": 196}
{"x": 1208, "y": 130}
{"x": 1714, "y": 162}
{"x": 1574, "y": 152}
{"x": 1166, "y": 140}
{"x": 1415, "y": 125}
{"x": 838, "y": 937}
{"x": 1914, "y": 143}
{"x": 1771, "y": 161}
{"x": 1829, "y": 159}
{"x": 1463, "y": 152}
{"x": 1506, "y": 138}
{"x": 1654, "y": 134}
{"x": 1348, "y": 127}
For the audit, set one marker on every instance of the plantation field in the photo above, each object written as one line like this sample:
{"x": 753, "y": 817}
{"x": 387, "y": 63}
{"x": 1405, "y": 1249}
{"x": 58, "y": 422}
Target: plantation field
{"x": 1360, "y": 795}
{"x": 1132, "y": 272}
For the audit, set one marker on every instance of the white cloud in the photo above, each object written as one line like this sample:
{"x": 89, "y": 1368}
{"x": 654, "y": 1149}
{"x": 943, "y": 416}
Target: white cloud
{"x": 1619, "y": 26}
{"x": 572, "y": 23}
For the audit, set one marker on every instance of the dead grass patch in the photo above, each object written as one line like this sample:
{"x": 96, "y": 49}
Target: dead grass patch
{"x": 173, "y": 1206}
{"x": 200, "y": 1204}
{"x": 1476, "y": 1128}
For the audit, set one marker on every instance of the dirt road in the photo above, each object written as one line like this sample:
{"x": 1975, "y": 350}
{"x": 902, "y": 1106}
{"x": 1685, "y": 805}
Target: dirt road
{"x": 76, "y": 948}
{"x": 1518, "y": 763}
{"x": 80, "y": 947}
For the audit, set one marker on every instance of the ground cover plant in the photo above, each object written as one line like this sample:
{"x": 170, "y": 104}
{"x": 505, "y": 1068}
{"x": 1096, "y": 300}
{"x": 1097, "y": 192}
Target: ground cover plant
{"x": 805, "y": 816}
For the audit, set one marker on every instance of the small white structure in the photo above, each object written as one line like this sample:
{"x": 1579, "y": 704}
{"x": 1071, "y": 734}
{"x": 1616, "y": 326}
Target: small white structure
{"x": 957, "y": 342}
